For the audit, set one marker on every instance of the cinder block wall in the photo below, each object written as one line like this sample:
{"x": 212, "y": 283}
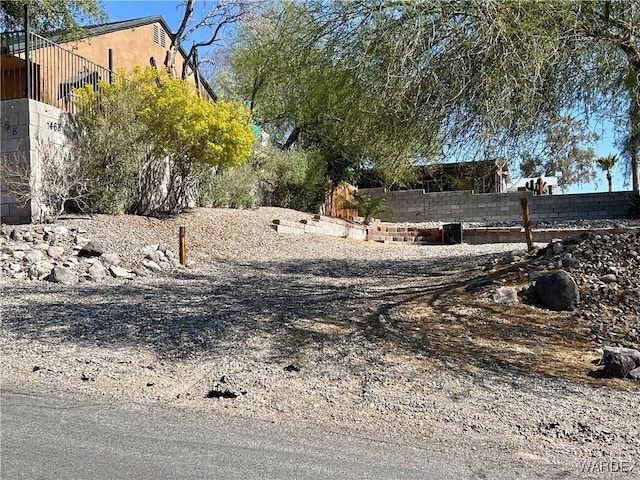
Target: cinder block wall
{"x": 464, "y": 206}
{"x": 28, "y": 128}
{"x": 14, "y": 147}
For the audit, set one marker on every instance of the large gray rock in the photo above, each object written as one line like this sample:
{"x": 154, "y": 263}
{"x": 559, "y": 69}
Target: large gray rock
{"x": 63, "y": 275}
{"x": 557, "y": 290}
{"x": 618, "y": 365}
{"x": 91, "y": 249}
{"x": 97, "y": 271}
{"x": 119, "y": 272}
{"x": 608, "y": 352}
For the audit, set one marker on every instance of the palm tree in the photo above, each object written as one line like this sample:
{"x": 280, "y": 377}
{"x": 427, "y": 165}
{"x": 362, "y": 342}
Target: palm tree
{"x": 606, "y": 164}
{"x": 366, "y": 206}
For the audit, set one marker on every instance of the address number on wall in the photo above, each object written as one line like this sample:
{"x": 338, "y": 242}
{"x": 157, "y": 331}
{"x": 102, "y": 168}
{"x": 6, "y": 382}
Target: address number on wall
{"x": 55, "y": 126}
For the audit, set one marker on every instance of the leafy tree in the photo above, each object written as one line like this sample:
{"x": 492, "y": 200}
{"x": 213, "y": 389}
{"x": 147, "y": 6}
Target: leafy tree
{"x": 606, "y": 164}
{"x": 309, "y": 97}
{"x": 560, "y": 152}
{"x": 290, "y": 179}
{"x": 168, "y": 138}
{"x": 63, "y": 17}
{"x": 477, "y": 79}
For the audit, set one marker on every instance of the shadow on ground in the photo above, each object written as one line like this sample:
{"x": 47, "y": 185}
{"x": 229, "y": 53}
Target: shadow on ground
{"x": 409, "y": 308}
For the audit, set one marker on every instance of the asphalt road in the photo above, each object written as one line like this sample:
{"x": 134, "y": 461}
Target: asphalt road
{"x": 53, "y": 438}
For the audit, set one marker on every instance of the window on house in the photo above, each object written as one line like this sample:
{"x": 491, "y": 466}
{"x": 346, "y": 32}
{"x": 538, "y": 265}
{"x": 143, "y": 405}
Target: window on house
{"x": 163, "y": 39}
{"x": 156, "y": 34}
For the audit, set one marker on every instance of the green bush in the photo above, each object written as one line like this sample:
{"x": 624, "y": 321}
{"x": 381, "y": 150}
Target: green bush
{"x": 366, "y": 206}
{"x": 233, "y": 188}
{"x": 291, "y": 179}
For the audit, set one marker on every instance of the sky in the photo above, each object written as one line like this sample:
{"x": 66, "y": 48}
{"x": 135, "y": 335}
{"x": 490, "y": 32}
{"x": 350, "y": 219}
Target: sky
{"x": 171, "y": 11}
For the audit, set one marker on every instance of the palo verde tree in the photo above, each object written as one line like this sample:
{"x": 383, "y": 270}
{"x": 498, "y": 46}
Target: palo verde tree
{"x": 167, "y": 137}
{"x": 483, "y": 79}
{"x": 312, "y": 97}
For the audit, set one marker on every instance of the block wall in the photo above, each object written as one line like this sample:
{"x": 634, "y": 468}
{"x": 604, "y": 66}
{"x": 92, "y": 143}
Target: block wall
{"x": 463, "y": 206}
{"x": 31, "y": 131}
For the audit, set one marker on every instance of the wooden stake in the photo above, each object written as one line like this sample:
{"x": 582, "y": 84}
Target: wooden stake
{"x": 183, "y": 246}
{"x": 527, "y": 223}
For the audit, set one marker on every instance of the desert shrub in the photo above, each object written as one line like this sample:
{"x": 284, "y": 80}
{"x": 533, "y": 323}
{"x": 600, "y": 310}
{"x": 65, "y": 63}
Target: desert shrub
{"x": 49, "y": 178}
{"x": 290, "y": 179}
{"x": 233, "y": 188}
{"x": 149, "y": 138}
{"x": 366, "y": 205}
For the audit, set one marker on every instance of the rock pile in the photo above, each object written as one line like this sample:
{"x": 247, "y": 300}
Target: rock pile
{"x": 606, "y": 268}
{"x": 67, "y": 256}
{"x": 595, "y": 274}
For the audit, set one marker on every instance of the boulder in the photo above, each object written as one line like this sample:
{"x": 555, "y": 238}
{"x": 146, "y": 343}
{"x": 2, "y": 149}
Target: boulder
{"x": 557, "y": 290}
{"x": 608, "y": 352}
{"x": 119, "y": 272}
{"x": 63, "y": 275}
{"x": 97, "y": 271}
{"x": 91, "y": 249}
{"x": 618, "y": 365}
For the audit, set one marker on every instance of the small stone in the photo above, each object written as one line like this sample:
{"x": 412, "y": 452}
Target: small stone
{"x": 42, "y": 269}
{"x": 19, "y": 255}
{"x": 110, "y": 259}
{"x": 97, "y": 271}
{"x": 609, "y": 278}
{"x": 33, "y": 256}
{"x": 153, "y": 256}
{"x": 119, "y": 272}
{"x": 505, "y": 296}
{"x": 151, "y": 265}
{"x": 55, "y": 252}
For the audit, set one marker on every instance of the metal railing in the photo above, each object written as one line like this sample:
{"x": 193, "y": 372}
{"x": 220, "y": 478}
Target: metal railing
{"x": 48, "y": 75}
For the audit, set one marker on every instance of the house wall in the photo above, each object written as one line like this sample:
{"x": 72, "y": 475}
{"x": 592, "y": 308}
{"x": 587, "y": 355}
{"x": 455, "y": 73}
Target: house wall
{"x": 133, "y": 46}
{"x": 52, "y": 66}
{"x": 32, "y": 133}
{"x": 463, "y": 206}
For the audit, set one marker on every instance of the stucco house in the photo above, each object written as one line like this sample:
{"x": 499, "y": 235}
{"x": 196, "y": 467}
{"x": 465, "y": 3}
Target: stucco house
{"x": 36, "y": 89}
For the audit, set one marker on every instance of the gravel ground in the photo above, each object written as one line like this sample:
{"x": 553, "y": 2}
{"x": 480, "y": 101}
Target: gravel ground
{"x": 374, "y": 339}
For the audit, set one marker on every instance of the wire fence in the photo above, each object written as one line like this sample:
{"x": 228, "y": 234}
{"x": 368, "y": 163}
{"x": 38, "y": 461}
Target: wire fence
{"x": 51, "y": 73}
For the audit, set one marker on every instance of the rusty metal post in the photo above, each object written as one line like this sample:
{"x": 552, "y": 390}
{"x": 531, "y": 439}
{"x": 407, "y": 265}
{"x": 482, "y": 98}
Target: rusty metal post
{"x": 527, "y": 223}
{"x": 183, "y": 246}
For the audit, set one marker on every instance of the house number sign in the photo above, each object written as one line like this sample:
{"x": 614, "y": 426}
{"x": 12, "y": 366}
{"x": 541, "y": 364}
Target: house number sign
{"x": 55, "y": 126}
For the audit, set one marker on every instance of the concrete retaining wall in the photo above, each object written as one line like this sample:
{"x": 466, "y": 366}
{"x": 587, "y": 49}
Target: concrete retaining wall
{"x": 463, "y": 206}
{"x": 29, "y": 131}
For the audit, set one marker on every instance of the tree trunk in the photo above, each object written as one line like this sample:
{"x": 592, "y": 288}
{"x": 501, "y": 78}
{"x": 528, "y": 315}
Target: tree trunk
{"x": 609, "y": 179}
{"x": 634, "y": 144}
